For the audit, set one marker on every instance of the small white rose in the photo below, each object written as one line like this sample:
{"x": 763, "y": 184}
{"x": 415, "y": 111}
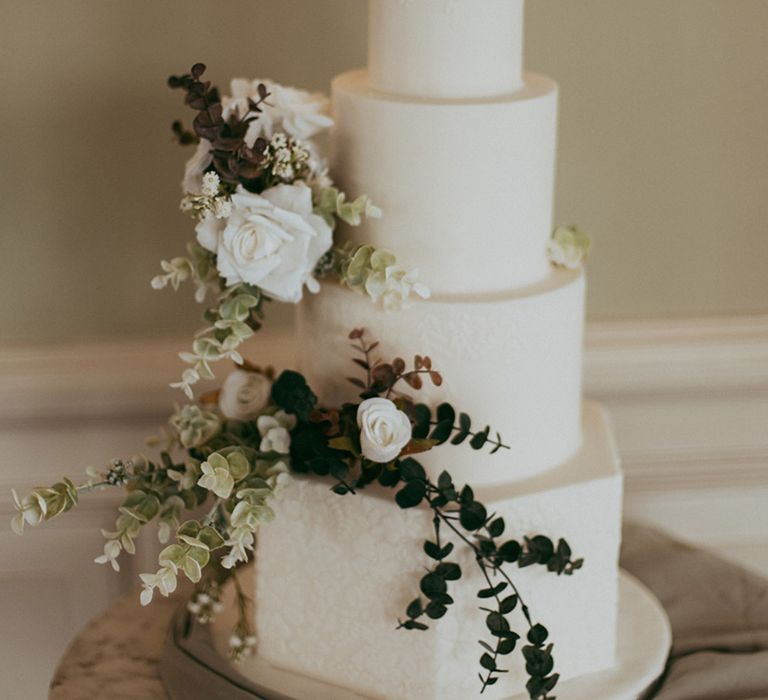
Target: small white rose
{"x": 244, "y": 395}
{"x": 384, "y": 429}
{"x": 275, "y": 432}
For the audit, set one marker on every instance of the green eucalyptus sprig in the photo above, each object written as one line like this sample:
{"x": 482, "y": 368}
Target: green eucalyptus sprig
{"x": 469, "y": 520}
{"x": 235, "y": 469}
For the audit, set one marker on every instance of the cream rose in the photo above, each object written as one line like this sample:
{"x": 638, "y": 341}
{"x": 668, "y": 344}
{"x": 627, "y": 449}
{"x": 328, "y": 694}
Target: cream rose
{"x": 272, "y": 240}
{"x": 244, "y": 395}
{"x": 384, "y": 429}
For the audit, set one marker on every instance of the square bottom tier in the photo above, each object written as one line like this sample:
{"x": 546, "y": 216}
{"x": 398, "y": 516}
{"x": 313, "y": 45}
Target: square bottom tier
{"x": 334, "y": 573}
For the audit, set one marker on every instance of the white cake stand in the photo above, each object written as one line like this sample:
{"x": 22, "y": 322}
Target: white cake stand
{"x": 644, "y": 641}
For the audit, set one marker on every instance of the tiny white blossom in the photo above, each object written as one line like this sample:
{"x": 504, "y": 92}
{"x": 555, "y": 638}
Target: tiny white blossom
{"x": 211, "y": 184}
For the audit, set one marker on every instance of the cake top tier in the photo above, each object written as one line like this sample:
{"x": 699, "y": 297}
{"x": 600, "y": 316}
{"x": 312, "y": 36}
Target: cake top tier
{"x": 445, "y": 48}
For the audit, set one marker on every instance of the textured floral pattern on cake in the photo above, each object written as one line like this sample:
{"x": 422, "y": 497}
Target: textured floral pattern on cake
{"x": 581, "y": 608}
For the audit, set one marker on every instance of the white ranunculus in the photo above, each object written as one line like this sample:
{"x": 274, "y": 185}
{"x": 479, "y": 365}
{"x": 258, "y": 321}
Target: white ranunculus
{"x": 298, "y": 113}
{"x": 195, "y": 167}
{"x": 569, "y": 247}
{"x": 272, "y": 240}
{"x": 275, "y": 432}
{"x": 384, "y": 429}
{"x": 244, "y": 395}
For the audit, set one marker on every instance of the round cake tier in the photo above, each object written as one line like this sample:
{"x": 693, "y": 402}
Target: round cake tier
{"x": 511, "y": 361}
{"x": 445, "y": 48}
{"x": 466, "y": 187}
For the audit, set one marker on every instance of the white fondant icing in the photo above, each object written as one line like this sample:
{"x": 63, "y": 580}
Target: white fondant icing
{"x": 509, "y": 360}
{"x": 466, "y": 187}
{"x": 445, "y": 48}
{"x": 333, "y": 574}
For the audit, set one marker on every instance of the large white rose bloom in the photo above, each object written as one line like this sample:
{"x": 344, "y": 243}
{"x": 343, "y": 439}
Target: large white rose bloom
{"x": 272, "y": 240}
{"x": 384, "y": 429}
{"x": 244, "y": 395}
{"x": 298, "y": 113}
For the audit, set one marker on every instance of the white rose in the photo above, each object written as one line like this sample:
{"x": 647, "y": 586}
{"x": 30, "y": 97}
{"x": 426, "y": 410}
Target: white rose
{"x": 195, "y": 167}
{"x": 384, "y": 429}
{"x": 244, "y": 395}
{"x": 275, "y": 432}
{"x": 299, "y": 113}
{"x": 272, "y": 240}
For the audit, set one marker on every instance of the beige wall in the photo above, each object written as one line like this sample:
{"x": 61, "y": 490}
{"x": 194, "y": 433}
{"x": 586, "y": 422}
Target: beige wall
{"x": 663, "y": 148}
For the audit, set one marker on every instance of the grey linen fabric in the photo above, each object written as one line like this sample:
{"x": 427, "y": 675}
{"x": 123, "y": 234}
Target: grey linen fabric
{"x": 718, "y": 611}
{"x": 719, "y": 616}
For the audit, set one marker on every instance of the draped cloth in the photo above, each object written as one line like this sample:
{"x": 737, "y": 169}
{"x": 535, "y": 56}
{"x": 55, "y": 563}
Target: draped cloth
{"x": 718, "y": 612}
{"x": 719, "y": 617}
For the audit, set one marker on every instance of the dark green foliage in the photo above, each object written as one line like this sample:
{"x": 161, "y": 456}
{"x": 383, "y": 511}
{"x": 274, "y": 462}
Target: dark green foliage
{"x": 421, "y": 418}
{"x": 291, "y": 393}
{"x": 482, "y": 532}
{"x": 411, "y": 495}
{"x": 472, "y": 516}
{"x": 444, "y": 425}
{"x": 510, "y": 551}
{"x": 411, "y": 470}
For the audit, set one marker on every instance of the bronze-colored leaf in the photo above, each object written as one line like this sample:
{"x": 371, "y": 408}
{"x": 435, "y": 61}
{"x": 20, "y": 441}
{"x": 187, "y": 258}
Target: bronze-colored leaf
{"x": 417, "y": 446}
{"x": 437, "y": 378}
{"x": 210, "y": 398}
{"x": 413, "y": 380}
{"x": 398, "y": 364}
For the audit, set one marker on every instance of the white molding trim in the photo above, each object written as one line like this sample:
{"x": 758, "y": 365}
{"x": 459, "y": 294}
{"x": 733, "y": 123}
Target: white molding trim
{"x": 677, "y": 357}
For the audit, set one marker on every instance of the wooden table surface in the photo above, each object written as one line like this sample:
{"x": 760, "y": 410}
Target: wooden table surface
{"x": 116, "y": 656}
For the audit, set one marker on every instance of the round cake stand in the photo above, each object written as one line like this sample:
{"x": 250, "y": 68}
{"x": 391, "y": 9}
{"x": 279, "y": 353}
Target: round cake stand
{"x": 644, "y": 641}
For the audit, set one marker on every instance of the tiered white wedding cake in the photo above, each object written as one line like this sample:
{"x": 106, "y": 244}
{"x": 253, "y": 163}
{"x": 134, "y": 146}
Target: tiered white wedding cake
{"x": 457, "y": 146}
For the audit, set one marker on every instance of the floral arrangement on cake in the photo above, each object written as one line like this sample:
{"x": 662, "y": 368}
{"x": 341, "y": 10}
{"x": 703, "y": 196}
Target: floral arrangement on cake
{"x": 266, "y": 210}
{"x": 232, "y": 453}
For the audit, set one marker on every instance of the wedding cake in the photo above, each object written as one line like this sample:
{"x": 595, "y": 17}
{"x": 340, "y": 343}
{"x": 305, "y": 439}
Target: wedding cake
{"x": 456, "y": 144}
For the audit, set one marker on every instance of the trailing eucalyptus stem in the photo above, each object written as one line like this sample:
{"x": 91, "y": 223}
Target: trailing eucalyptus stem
{"x": 468, "y": 519}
